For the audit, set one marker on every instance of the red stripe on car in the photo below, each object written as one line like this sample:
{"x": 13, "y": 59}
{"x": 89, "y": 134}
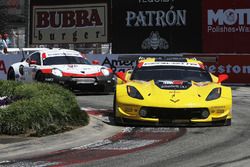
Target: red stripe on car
{"x": 66, "y": 74}
{"x": 46, "y": 71}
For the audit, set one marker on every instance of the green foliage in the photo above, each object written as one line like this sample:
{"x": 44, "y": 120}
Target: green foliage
{"x": 39, "y": 109}
{"x": 7, "y": 88}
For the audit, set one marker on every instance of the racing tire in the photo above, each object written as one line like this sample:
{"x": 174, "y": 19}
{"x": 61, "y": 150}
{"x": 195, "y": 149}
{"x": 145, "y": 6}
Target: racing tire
{"x": 228, "y": 122}
{"x": 106, "y": 89}
{"x": 40, "y": 77}
{"x": 11, "y": 74}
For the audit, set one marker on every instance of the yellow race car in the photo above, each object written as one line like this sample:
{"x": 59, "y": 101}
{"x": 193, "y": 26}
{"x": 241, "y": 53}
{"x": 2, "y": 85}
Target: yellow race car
{"x": 171, "y": 91}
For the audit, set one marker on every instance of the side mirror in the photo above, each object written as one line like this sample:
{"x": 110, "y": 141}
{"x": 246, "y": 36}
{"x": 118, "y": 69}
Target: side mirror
{"x": 121, "y": 75}
{"x": 222, "y": 78}
{"x": 95, "y": 62}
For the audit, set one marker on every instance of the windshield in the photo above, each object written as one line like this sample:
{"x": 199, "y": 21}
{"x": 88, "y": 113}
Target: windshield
{"x": 171, "y": 73}
{"x": 57, "y": 60}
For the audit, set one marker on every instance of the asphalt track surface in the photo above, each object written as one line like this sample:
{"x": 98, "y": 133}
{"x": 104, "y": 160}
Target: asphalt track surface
{"x": 203, "y": 147}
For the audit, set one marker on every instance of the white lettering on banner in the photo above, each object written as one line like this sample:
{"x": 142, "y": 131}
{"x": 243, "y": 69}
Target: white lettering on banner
{"x": 158, "y": 18}
{"x": 236, "y": 69}
{"x": 229, "y": 20}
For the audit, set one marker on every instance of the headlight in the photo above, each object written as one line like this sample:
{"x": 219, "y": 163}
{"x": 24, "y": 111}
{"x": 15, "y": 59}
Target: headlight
{"x": 105, "y": 72}
{"x": 133, "y": 92}
{"x": 57, "y": 72}
{"x": 214, "y": 94}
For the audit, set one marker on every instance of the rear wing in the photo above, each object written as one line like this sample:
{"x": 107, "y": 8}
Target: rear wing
{"x": 137, "y": 57}
{"x": 212, "y": 59}
{"x": 167, "y": 57}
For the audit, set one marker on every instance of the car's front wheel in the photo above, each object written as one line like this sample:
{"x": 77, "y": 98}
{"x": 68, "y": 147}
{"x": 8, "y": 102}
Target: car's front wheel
{"x": 40, "y": 77}
{"x": 11, "y": 74}
{"x": 117, "y": 120}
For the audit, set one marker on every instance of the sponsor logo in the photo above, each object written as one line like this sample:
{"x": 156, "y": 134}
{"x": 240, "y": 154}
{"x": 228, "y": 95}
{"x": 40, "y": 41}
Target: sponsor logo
{"x": 235, "y": 69}
{"x": 70, "y": 23}
{"x": 229, "y": 20}
{"x": 175, "y": 101}
{"x": 154, "y": 41}
{"x": 119, "y": 65}
{"x": 80, "y": 18}
{"x": 158, "y": 18}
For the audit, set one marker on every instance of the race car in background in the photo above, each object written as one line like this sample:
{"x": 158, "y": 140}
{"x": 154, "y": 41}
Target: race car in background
{"x": 66, "y": 67}
{"x": 171, "y": 91}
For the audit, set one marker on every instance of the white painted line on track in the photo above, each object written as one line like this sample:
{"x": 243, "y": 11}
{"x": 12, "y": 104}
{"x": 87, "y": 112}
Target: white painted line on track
{"x": 88, "y": 109}
{"x": 127, "y": 144}
{"x": 27, "y": 164}
{"x": 93, "y": 109}
{"x": 3, "y": 162}
{"x": 127, "y": 129}
{"x": 93, "y": 145}
{"x": 158, "y": 130}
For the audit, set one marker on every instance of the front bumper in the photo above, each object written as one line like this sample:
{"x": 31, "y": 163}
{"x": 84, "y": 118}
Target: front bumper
{"x": 214, "y": 115}
{"x": 106, "y": 83}
{"x": 171, "y": 123}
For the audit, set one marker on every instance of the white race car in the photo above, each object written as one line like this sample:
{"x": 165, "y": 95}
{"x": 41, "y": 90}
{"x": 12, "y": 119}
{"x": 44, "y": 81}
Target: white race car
{"x": 63, "y": 66}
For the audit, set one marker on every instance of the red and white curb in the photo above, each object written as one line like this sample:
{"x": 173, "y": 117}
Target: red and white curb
{"x": 129, "y": 140}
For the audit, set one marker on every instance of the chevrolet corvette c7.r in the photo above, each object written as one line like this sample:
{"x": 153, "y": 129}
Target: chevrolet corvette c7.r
{"x": 172, "y": 92}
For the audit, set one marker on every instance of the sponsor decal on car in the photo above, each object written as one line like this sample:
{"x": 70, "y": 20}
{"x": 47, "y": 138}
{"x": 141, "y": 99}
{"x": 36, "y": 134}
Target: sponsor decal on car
{"x": 185, "y": 64}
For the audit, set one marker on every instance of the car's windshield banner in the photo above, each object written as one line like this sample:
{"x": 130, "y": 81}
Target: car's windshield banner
{"x": 63, "y": 54}
{"x": 183, "y": 64}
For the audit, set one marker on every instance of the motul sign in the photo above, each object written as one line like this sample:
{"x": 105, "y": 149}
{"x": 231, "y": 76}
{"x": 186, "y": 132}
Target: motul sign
{"x": 229, "y": 17}
{"x": 226, "y": 27}
{"x": 79, "y": 23}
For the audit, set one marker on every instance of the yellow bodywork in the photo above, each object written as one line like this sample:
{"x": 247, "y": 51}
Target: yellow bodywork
{"x": 193, "y": 97}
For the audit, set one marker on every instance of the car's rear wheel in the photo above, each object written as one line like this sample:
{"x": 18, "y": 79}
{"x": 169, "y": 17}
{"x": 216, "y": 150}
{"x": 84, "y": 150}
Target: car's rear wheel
{"x": 11, "y": 74}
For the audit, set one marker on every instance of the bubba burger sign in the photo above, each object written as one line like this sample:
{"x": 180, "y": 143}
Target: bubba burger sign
{"x": 74, "y": 23}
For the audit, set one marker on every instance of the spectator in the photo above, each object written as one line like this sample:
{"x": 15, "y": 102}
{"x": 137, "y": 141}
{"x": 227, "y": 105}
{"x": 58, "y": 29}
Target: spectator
{"x": 7, "y": 39}
{"x": 3, "y": 44}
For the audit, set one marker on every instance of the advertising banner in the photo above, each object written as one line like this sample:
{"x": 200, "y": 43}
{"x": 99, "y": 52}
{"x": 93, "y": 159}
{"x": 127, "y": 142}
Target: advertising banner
{"x": 156, "y": 26}
{"x": 236, "y": 66}
{"x": 226, "y": 26}
{"x": 112, "y": 61}
{"x": 69, "y": 23}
